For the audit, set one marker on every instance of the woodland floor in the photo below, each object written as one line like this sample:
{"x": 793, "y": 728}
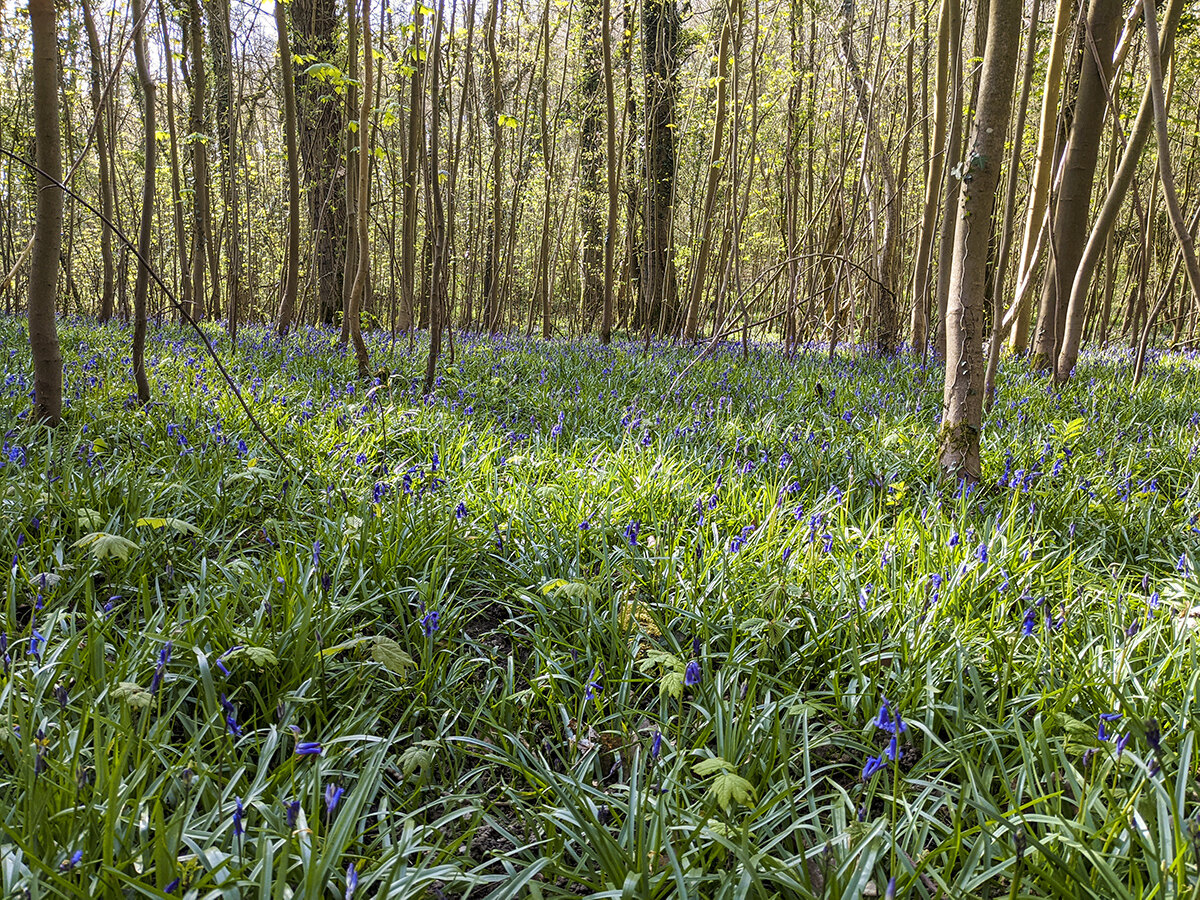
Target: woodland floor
{"x": 563, "y": 629}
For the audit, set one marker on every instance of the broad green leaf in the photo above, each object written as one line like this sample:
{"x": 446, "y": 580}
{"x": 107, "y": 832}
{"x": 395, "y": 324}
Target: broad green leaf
{"x": 729, "y": 788}
{"x": 89, "y": 519}
{"x": 711, "y": 765}
{"x": 103, "y": 545}
{"x": 415, "y": 757}
{"x": 389, "y": 654}
{"x": 177, "y": 525}
{"x": 133, "y": 694}
{"x": 260, "y": 657}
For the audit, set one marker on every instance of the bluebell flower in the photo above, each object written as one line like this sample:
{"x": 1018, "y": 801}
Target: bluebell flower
{"x": 309, "y": 748}
{"x": 874, "y": 764}
{"x": 72, "y": 861}
{"x": 656, "y": 745}
{"x": 239, "y": 816}
{"x": 691, "y": 675}
{"x": 1153, "y": 737}
{"x": 460, "y": 511}
{"x": 333, "y": 795}
{"x": 594, "y": 685}
{"x": 1122, "y": 742}
{"x": 1030, "y": 624}
{"x": 631, "y": 531}
{"x": 36, "y": 639}
{"x": 292, "y": 811}
{"x": 429, "y": 622}
{"x": 351, "y": 881}
{"x": 316, "y": 554}
{"x": 172, "y": 886}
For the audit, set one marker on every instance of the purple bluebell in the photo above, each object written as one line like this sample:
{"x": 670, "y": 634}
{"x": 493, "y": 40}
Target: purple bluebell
{"x": 351, "y": 881}
{"x": 691, "y": 675}
{"x": 309, "y": 748}
{"x": 333, "y": 796}
{"x": 239, "y": 818}
{"x": 656, "y": 745}
{"x": 429, "y": 622}
{"x": 292, "y": 812}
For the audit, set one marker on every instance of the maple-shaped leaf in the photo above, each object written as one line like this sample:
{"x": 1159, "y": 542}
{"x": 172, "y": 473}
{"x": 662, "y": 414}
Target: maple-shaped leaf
{"x": 103, "y": 545}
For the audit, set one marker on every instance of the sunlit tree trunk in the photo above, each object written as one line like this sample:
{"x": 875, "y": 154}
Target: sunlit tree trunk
{"x": 1070, "y": 227}
{"x": 962, "y": 405}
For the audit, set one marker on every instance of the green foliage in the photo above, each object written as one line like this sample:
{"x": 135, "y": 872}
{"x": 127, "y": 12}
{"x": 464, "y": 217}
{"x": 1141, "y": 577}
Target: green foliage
{"x": 541, "y": 735}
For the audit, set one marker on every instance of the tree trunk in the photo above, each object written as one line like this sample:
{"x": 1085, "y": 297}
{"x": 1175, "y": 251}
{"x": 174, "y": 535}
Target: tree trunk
{"x": 149, "y": 151}
{"x": 100, "y": 112}
{"x": 591, "y": 220}
{"x": 358, "y": 288}
{"x": 1070, "y": 226}
{"x": 962, "y": 406}
{"x": 47, "y": 237}
{"x": 661, "y": 25}
{"x": 610, "y": 237}
{"x": 292, "y": 276}
{"x": 713, "y": 180}
{"x": 1107, "y": 218}
{"x": 320, "y": 127}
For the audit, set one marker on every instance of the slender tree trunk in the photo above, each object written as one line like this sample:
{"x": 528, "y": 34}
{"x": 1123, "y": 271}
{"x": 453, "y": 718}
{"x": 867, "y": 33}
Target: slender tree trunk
{"x": 661, "y": 26}
{"x": 1039, "y": 191}
{"x": 1070, "y": 226}
{"x": 1010, "y": 205}
{"x": 962, "y": 406}
{"x": 1107, "y": 218}
{"x": 591, "y": 221}
{"x": 610, "y": 237}
{"x": 438, "y": 312}
{"x": 364, "y": 182}
{"x": 47, "y": 237}
{"x": 104, "y": 173}
{"x": 950, "y": 195}
{"x": 177, "y": 205}
{"x": 291, "y": 280}
{"x": 713, "y": 180}
{"x": 150, "y": 152}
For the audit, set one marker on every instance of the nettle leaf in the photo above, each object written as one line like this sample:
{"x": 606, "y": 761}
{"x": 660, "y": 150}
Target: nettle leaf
{"x": 416, "y": 757}
{"x": 103, "y": 545}
{"x": 89, "y": 519}
{"x": 133, "y": 694}
{"x": 260, "y": 657}
{"x": 177, "y": 525}
{"x": 391, "y": 656}
{"x": 729, "y": 788}
{"x": 352, "y": 526}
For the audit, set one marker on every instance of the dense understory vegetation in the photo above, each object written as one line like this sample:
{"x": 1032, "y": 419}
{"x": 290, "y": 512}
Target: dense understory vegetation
{"x": 563, "y": 628}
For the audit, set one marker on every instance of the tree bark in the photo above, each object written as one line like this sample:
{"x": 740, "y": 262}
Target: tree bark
{"x": 104, "y": 174}
{"x": 292, "y": 276}
{"x": 1070, "y": 225}
{"x": 660, "y": 30}
{"x": 364, "y": 182}
{"x": 150, "y": 152}
{"x": 47, "y": 237}
{"x": 962, "y": 405}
